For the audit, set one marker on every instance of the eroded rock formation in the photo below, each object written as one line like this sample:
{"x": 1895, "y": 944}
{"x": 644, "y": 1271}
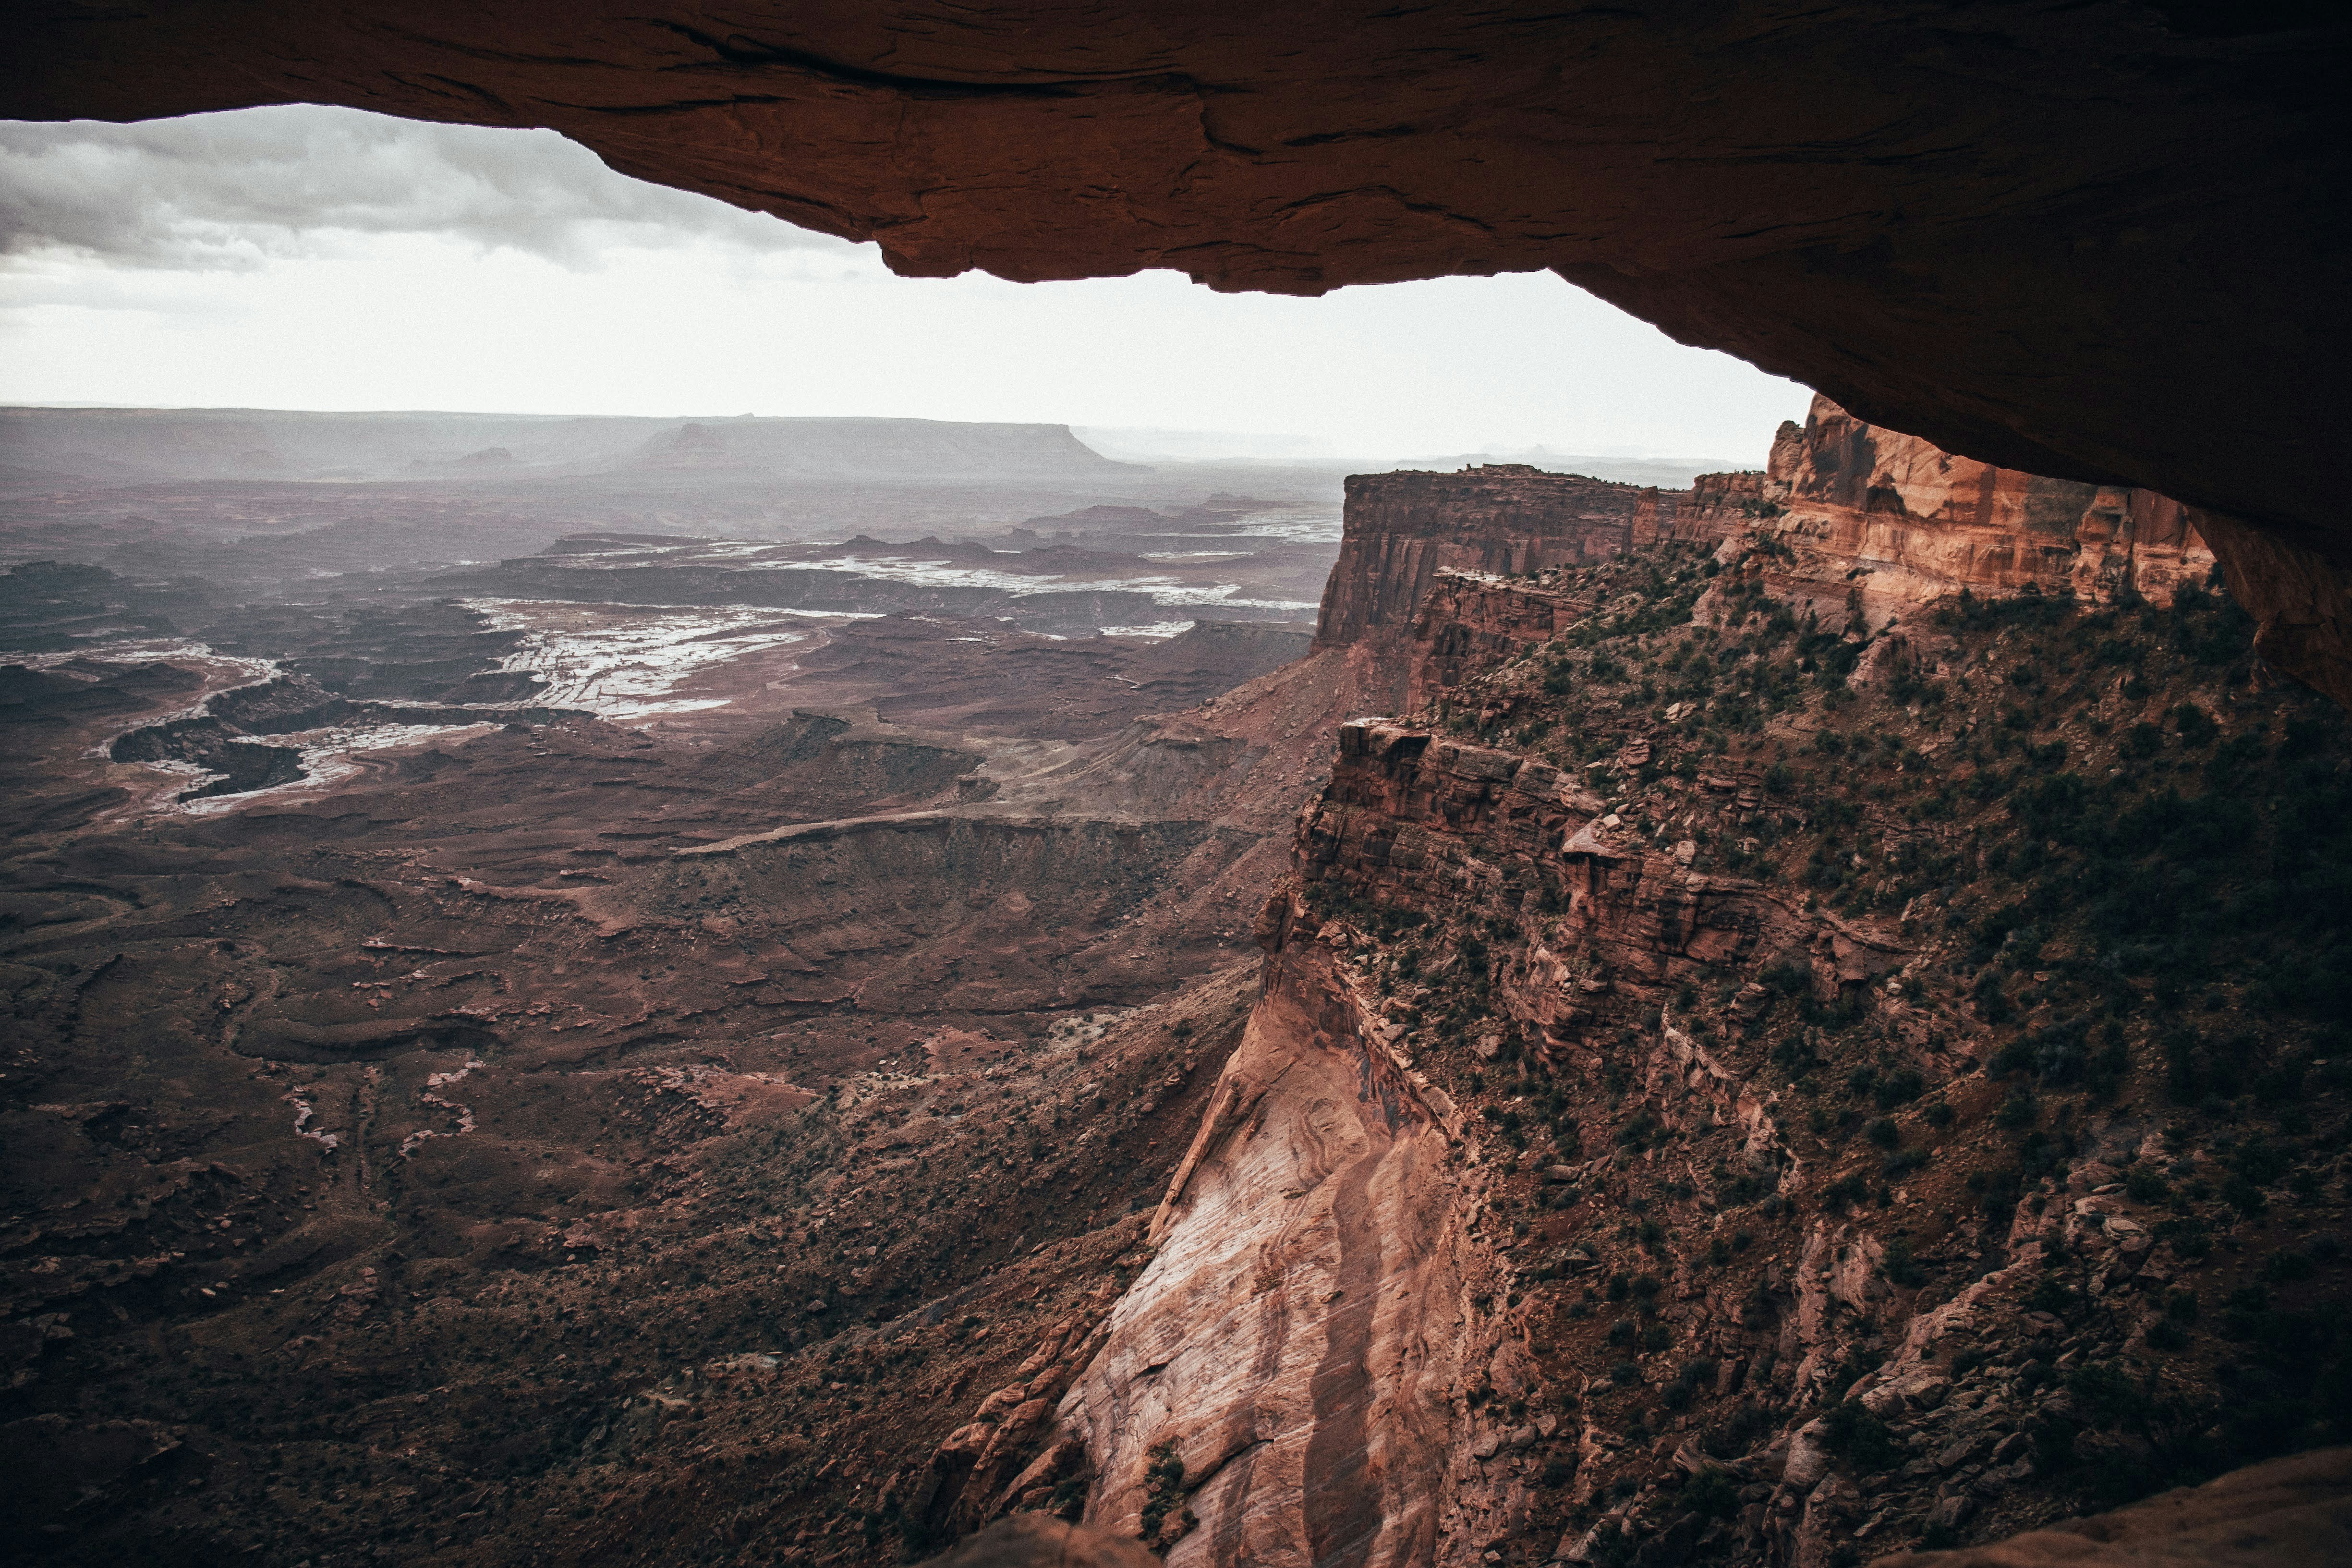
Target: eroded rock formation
{"x": 1293, "y": 1352}
{"x": 1893, "y": 522}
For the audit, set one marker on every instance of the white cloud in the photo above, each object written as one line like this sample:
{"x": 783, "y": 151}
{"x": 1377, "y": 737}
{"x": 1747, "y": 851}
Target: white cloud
{"x": 237, "y": 189}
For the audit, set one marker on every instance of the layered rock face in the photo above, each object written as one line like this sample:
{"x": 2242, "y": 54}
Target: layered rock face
{"x": 1294, "y": 1350}
{"x": 1470, "y": 623}
{"x": 1403, "y": 529}
{"x": 1854, "y": 506}
{"x": 1620, "y": 1163}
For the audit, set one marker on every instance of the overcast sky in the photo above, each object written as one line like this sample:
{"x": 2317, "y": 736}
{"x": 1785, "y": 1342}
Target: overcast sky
{"x": 309, "y": 258}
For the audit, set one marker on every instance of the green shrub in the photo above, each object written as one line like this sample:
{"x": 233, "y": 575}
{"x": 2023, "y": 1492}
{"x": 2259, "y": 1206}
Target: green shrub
{"x": 1710, "y": 1494}
{"x": 1854, "y": 1435}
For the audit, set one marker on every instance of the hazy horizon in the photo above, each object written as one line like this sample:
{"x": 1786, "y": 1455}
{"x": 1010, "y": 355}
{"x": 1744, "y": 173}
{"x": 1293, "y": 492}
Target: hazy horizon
{"x": 305, "y": 259}
{"x": 1122, "y": 444}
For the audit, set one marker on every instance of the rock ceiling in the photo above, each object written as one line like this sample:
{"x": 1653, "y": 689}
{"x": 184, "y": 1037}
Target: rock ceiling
{"x": 2097, "y": 241}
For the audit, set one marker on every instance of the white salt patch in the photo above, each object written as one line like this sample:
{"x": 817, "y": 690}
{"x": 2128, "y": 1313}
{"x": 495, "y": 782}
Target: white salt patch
{"x": 303, "y": 1112}
{"x": 1164, "y": 591}
{"x": 465, "y": 1113}
{"x": 326, "y": 757}
{"x": 1302, "y": 525}
{"x": 1156, "y": 629}
{"x": 945, "y": 574}
{"x": 622, "y": 661}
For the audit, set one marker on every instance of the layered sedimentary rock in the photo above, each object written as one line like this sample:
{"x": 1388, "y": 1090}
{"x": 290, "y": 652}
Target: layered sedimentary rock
{"x": 1469, "y": 622}
{"x": 1854, "y": 506}
{"x": 1551, "y": 1034}
{"x": 1403, "y": 529}
{"x": 1298, "y": 1344}
{"x": 1610, "y": 937}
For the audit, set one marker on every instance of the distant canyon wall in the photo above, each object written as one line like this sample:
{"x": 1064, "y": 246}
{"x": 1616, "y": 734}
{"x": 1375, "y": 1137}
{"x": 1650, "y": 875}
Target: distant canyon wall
{"x": 1403, "y": 529}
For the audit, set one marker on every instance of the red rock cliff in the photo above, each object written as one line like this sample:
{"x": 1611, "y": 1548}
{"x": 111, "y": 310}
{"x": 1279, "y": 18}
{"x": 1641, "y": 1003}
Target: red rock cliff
{"x": 1853, "y": 505}
{"x": 1403, "y": 527}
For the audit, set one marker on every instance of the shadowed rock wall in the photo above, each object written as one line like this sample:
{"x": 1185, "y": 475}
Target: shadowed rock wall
{"x": 1850, "y": 194}
{"x": 1403, "y": 529}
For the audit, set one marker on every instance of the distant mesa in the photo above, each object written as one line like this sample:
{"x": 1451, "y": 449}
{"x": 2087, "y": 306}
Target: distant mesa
{"x": 690, "y": 445}
{"x": 488, "y": 457}
{"x": 18, "y": 474}
{"x": 598, "y": 543}
{"x": 164, "y": 444}
{"x": 1401, "y": 529}
{"x": 1134, "y": 515}
{"x": 870, "y": 448}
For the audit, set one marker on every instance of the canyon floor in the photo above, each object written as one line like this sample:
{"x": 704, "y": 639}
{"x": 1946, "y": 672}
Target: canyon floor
{"x": 425, "y": 997}
{"x": 515, "y": 1071}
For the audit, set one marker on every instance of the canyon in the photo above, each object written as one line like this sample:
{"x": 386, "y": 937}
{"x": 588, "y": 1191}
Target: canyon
{"x": 1777, "y": 1022}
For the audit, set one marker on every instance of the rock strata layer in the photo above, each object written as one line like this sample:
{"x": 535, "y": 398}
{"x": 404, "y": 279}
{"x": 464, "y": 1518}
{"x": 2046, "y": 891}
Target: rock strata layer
{"x": 1599, "y": 1179}
{"x": 1403, "y": 529}
{"x": 1854, "y": 508}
